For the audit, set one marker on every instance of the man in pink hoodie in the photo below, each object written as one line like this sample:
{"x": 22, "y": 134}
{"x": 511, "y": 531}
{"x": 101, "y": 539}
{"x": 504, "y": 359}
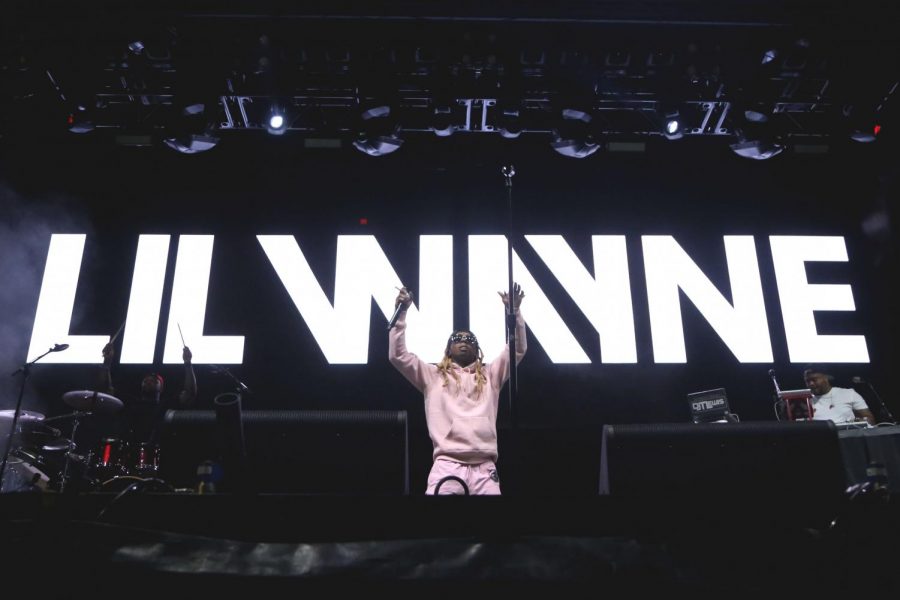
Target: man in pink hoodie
{"x": 462, "y": 395}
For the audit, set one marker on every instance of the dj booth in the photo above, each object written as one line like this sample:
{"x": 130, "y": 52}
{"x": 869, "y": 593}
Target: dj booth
{"x": 861, "y": 448}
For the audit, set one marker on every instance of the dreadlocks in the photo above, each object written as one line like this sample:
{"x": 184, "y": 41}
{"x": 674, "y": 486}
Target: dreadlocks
{"x": 445, "y": 367}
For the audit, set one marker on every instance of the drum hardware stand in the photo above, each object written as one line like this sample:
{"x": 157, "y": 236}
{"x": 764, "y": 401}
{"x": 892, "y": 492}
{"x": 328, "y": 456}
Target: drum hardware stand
{"x": 24, "y": 369}
{"x": 65, "y": 474}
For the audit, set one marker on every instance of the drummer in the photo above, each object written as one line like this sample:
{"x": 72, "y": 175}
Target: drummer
{"x": 143, "y": 414}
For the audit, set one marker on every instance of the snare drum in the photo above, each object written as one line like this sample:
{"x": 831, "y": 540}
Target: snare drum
{"x": 109, "y": 460}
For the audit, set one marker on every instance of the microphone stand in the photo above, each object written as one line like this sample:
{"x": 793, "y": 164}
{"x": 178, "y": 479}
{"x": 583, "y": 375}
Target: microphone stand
{"x": 241, "y": 388}
{"x": 886, "y": 412}
{"x": 24, "y": 369}
{"x": 508, "y": 173}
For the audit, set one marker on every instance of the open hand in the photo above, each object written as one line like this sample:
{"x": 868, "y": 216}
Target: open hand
{"x": 518, "y": 294}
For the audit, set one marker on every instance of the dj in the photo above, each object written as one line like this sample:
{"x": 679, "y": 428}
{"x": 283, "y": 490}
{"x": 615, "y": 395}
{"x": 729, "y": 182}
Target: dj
{"x": 840, "y": 405}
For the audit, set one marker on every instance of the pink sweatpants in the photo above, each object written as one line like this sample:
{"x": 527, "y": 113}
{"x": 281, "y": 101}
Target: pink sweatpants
{"x": 481, "y": 479}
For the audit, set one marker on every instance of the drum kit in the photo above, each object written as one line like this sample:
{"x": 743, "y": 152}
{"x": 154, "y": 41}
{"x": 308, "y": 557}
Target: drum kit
{"x": 42, "y": 458}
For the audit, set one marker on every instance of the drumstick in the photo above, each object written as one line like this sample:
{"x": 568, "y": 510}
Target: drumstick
{"x": 115, "y": 337}
{"x": 181, "y": 334}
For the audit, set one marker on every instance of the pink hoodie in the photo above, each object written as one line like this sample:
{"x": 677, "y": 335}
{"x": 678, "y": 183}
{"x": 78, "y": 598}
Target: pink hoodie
{"x": 462, "y": 427}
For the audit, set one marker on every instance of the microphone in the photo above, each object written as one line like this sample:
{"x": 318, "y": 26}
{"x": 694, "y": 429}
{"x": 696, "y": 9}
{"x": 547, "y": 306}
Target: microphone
{"x": 59, "y": 347}
{"x": 858, "y": 380}
{"x": 400, "y": 308}
{"x": 223, "y": 371}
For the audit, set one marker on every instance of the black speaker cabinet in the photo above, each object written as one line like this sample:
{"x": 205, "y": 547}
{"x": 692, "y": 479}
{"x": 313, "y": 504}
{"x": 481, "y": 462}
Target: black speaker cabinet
{"x": 784, "y": 463}
{"x": 294, "y": 451}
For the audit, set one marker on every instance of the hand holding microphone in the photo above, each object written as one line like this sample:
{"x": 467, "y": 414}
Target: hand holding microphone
{"x": 404, "y": 299}
{"x": 774, "y": 381}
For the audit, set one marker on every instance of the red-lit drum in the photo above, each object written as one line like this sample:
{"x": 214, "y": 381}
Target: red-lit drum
{"x": 109, "y": 459}
{"x": 144, "y": 460}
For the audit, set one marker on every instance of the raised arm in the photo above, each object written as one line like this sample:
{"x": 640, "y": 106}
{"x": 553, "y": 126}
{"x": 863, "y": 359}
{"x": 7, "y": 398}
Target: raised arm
{"x": 189, "y": 394}
{"x": 499, "y": 368}
{"x": 104, "y": 375}
{"x": 410, "y": 366}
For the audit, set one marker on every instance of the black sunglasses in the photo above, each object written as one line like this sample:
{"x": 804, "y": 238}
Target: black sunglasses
{"x": 463, "y": 337}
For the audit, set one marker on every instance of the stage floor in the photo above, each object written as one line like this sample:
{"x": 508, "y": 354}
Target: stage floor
{"x": 146, "y": 544}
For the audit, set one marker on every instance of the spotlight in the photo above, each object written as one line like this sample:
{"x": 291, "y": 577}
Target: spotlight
{"x": 758, "y": 137}
{"x": 757, "y": 149}
{"x": 378, "y": 146}
{"x": 276, "y": 123}
{"x": 510, "y": 123}
{"x": 192, "y": 144}
{"x": 79, "y": 121}
{"x": 864, "y": 126}
{"x": 378, "y": 134}
{"x": 755, "y": 116}
{"x": 574, "y": 148}
{"x": 574, "y": 138}
{"x": 136, "y": 47}
{"x": 195, "y": 133}
{"x": 441, "y": 123}
{"x": 769, "y": 56}
{"x": 672, "y": 124}
{"x": 865, "y": 137}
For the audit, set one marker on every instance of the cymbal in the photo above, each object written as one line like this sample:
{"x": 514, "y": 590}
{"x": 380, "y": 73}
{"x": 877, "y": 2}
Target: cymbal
{"x": 97, "y": 402}
{"x": 24, "y": 415}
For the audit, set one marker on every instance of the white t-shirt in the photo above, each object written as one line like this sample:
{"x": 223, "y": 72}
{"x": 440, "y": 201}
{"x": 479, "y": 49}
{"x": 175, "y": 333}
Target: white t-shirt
{"x": 838, "y": 405}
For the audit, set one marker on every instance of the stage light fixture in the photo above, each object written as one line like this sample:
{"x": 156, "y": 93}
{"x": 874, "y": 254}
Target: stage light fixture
{"x": 758, "y": 137}
{"x": 756, "y": 116}
{"x": 192, "y": 144}
{"x": 757, "y": 149}
{"x": 441, "y": 121}
{"x": 79, "y": 121}
{"x": 863, "y": 136}
{"x": 276, "y": 121}
{"x": 378, "y": 133}
{"x": 672, "y": 124}
{"x": 195, "y": 133}
{"x": 864, "y": 126}
{"x": 573, "y": 137}
{"x": 509, "y": 125}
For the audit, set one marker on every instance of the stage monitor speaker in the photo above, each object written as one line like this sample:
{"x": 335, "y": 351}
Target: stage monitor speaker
{"x": 777, "y": 462}
{"x": 296, "y": 451}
